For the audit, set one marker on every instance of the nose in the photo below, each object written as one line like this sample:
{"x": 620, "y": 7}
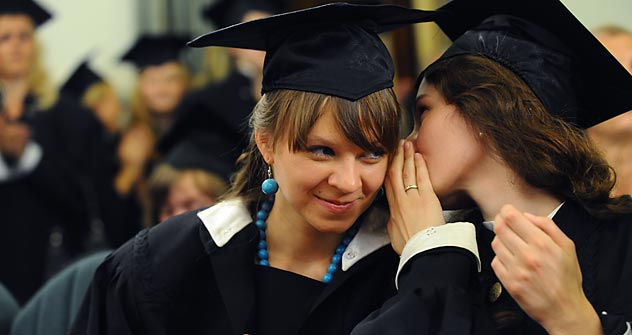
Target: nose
{"x": 346, "y": 175}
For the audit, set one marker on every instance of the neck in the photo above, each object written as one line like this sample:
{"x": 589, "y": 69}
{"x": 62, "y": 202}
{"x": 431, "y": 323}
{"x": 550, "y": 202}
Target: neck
{"x": 297, "y": 247}
{"x": 14, "y": 91}
{"x": 501, "y": 186}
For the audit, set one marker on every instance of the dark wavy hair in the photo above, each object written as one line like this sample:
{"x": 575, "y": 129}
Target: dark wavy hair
{"x": 548, "y": 152}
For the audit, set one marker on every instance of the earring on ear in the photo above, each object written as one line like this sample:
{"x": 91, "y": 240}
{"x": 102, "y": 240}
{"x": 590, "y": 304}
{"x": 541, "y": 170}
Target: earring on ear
{"x": 480, "y": 134}
{"x": 269, "y": 186}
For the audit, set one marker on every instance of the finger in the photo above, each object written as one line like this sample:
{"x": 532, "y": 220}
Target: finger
{"x": 502, "y": 252}
{"x": 395, "y": 171}
{"x": 551, "y": 229}
{"x": 500, "y": 269}
{"x": 519, "y": 224}
{"x": 507, "y": 236}
{"x": 388, "y": 189}
{"x": 423, "y": 177}
{"x": 409, "y": 175}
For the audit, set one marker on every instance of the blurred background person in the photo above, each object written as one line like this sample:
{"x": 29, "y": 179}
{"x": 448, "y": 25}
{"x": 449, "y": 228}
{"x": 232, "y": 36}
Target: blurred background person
{"x": 614, "y": 137}
{"x": 52, "y": 156}
{"x": 220, "y": 108}
{"x": 125, "y": 217}
{"x": 162, "y": 82}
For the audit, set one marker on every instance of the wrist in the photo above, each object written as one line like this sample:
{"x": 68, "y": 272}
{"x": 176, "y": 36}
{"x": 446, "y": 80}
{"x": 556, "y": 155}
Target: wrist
{"x": 583, "y": 320}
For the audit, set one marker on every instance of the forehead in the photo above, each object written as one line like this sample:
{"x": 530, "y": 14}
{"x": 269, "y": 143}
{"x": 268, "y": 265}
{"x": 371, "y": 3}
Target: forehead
{"x": 15, "y": 20}
{"x": 426, "y": 91}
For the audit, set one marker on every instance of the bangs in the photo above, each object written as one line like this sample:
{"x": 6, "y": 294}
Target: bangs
{"x": 371, "y": 123}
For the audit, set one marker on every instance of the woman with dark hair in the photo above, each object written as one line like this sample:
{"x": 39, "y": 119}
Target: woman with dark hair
{"x": 299, "y": 244}
{"x": 499, "y": 125}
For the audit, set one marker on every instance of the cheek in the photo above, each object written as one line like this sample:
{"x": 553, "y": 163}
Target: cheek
{"x": 374, "y": 177}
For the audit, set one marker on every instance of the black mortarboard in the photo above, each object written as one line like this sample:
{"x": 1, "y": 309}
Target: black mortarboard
{"x": 28, "y": 7}
{"x": 332, "y": 49}
{"x": 150, "y": 50}
{"x": 571, "y": 73}
{"x": 201, "y": 150}
{"x": 80, "y": 81}
{"x": 224, "y": 13}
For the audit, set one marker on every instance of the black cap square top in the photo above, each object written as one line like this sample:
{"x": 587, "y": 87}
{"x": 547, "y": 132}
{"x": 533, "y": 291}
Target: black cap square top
{"x": 153, "y": 50}
{"x": 569, "y": 70}
{"x": 37, "y": 13}
{"x": 80, "y": 81}
{"x": 332, "y": 49}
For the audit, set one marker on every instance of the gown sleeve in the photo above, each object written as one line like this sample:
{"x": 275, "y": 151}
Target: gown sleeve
{"x": 109, "y": 306}
{"x": 437, "y": 295}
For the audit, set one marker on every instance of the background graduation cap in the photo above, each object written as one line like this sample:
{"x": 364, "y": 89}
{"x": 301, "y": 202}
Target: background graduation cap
{"x": 200, "y": 150}
{"x": 151, "y": 50}
{"x": 332, "y": 49}
{"x": 572, "y": 74}
{"x": 80, "y": 80}
{"x": 38, "y": 14}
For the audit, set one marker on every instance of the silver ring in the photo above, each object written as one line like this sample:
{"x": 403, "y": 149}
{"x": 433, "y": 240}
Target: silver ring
{"x": 410, "y": 187}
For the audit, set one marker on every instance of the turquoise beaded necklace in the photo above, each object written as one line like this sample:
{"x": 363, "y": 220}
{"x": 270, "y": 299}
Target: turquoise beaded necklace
{"x": 270, "y": 187}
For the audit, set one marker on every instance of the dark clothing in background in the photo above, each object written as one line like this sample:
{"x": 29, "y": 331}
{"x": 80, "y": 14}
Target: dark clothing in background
{"x": 440, "y": 291}
{"x": 65, "y": 191}
{"x": 173, "y": 279}
{"x": 215, "y": 116}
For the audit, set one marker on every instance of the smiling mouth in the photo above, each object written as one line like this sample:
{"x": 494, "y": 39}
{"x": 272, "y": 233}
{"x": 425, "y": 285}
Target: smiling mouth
{"x": 336, "y": 206}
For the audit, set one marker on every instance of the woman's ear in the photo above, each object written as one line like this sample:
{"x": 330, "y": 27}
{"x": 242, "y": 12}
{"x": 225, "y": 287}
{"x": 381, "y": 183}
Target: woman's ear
{"x": 265, "y": 146}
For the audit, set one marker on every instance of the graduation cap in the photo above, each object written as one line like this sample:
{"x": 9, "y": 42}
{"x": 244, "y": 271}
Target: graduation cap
{"x": 28, "y": 7}
{"x": 224, "y": 13}
{"x": 151, "y": 50}
{"x": 80, "y": 80}
{"x": 201, "y": 150}
{"x": 332, "y": 49}
{"x": 572, "y": 74}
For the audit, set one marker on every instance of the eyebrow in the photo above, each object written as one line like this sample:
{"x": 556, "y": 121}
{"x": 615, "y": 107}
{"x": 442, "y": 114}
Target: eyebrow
{"x": 316, "y": 138}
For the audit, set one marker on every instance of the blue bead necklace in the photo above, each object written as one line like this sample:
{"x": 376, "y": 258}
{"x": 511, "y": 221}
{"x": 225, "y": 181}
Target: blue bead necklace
{"x": 270, "y": 187}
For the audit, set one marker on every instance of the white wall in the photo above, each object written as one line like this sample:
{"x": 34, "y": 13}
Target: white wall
{"x": 102, "y": 29}
{"x": 601, "y": 12}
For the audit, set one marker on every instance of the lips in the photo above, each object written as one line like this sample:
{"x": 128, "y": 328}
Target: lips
{"x": 336, "y": 206}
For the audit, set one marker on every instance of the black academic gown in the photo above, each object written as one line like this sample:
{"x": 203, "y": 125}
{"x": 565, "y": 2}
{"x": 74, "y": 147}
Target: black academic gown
{"x": 442, "y": 293}
{"x": 60, "y": 192}
{"x": 173, "y": 279}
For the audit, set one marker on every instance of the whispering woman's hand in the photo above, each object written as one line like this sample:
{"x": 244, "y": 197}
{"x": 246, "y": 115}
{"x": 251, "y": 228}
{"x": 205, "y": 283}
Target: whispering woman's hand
{"x": 537, "y": 264}
{"x": 413, "y": 204}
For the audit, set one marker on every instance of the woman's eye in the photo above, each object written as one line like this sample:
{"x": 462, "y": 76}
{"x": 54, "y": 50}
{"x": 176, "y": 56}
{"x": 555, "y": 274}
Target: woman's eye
{"x": 373, "y": 156}
{"x": 320, "y": 151}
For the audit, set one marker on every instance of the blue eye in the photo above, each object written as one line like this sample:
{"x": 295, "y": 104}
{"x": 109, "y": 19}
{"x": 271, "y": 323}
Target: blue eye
{"x": 373, "y": 156}
{"x": 321, "y": 151}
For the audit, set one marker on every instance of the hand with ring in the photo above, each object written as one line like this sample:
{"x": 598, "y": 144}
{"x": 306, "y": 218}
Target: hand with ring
{"x": 413, "y": 204}
{"x": 410, "y": 187}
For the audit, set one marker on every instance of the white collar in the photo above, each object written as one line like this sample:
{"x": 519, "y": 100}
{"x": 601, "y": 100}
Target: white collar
{"x": 490, "y": 224}
{"x": 227, "y": 218}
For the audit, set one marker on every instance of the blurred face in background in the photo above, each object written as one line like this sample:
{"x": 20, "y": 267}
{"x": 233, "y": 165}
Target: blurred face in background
{"x": 162, "y": 86}
{"x": 17, "y": 46}
{"x": 185, "y": 194}
{"x": 247, "y": 59}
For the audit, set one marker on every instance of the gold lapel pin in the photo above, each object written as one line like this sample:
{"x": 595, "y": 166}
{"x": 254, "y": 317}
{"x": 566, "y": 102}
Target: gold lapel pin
{"x": 495, "y": 291}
